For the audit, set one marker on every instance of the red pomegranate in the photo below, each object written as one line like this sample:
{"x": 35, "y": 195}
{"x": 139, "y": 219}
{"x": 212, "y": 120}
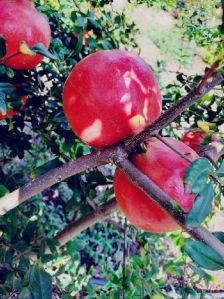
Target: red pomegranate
{"x": 10, "y": 112}
{"x": 20, "y": 21}
{"x": 110, "y": 95}
{"x": 194, "y": 139}
{"x": 166, "y": 169}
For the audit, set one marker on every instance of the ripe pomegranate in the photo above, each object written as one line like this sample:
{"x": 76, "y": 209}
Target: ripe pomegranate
{"x": 166, "y": 169}
{"x": 20, "y": 21}
{"x": 10, "y": 112}
{"x": 195, "y": 139}
{"x": 110, "y": 95}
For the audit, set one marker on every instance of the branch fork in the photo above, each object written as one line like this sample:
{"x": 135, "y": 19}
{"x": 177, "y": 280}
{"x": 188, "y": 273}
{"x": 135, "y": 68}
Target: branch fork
{"x": 118, "y": 155}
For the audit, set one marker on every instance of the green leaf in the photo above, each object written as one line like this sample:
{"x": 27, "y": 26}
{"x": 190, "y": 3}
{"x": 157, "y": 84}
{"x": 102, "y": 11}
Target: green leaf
{"x": 6, "y": 87}
{"x": 197, "y": 174}
{"x": 2, "y": 46}
{"x": 219, "y": 235}
{"x": 40, "y": 282}
{"x": 173, "y": 269}
{"x": 40, "y": 49}
{"x": 202, "y": 206}
{"x": 46, "y": 167}
{"x": 203, "y": 255}
{"x": 3, "y": 190}
{"x": 201, "y": 273}
{"x": 220, "y": 171}
{"x": 95, "y": 23}
{"x": 21, "y": 246}
{"x": 80, "y": 21}
{"x": 79, "y": 45}
{"x": 25, "y": 294}
{"x": 52, "y": 244}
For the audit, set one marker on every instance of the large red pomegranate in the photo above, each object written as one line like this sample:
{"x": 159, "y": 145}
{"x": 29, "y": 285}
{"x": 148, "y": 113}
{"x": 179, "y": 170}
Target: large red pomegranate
{"x": 110, "y": 95}
{"x": 20, "y": 21}
{"x": 10, "y": 112}
{"x": 166, "y": 169}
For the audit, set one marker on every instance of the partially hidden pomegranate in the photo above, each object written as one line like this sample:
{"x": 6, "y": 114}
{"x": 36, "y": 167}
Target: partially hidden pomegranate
{"x": 20, "y": 21}
{"x": 109, "y": 96}
{"x": 196, "y": 139}
{"x": 166, "y": 169}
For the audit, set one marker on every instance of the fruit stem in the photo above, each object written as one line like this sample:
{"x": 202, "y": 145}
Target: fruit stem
{"x": 3, "y": 60}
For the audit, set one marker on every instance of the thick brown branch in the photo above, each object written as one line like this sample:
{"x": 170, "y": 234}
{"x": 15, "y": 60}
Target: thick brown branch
{"x": 54, "y": 176}
{"x": 165, "y": 202}
{"x": 77, "y": 226}
{"x": 59, "y": 174}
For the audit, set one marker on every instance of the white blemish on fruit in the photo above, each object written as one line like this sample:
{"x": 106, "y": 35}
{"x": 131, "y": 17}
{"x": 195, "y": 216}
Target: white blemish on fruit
{"x": 131, "y": 75}
{"x": 127, "y": 79}
{"x": 126, "y": 97}
{"x": 127, "y": 108}
{"x": 135, "y": 78}
{"x": 145, "y": 108}
{"x": 92, "y": 132}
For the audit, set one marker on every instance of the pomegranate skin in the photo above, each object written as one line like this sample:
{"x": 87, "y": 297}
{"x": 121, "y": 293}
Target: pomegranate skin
{"x": 20, "y": 21}
{"x": 193, "y": 139}
{"x": 166, "y": 169}
{"x": 11, "y": 113}
{"x": 109, "y": 96}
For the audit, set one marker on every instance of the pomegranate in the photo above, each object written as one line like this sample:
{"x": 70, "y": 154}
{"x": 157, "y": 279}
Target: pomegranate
{"x": 20, "y": 21}
{"x": 166, "y": 169}
{"x": 110, "y": 95}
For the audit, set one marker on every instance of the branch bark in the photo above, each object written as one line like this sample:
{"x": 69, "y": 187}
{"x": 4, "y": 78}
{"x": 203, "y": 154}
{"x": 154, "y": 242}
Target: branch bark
{"x": 12, "y": 200}
{"x": 77, "y": 226}
{"x": 54, "y": 176}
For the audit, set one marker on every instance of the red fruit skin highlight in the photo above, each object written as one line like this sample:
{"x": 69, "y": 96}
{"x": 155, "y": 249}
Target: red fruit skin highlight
{"x": 166, "y": 169}
{"x": 109, "y": 96}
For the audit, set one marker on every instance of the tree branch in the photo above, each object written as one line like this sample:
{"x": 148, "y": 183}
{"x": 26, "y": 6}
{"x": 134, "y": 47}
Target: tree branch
{"x": 165, "y": 202}
{"x": 170, "y": 115}
{"x": 104, "y": 156}
{"x": 77, "y": 226}
{"x": 54, "y": 176}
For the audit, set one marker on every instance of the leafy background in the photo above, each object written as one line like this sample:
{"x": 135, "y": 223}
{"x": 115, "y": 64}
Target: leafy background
{"x": 39, "y": 139}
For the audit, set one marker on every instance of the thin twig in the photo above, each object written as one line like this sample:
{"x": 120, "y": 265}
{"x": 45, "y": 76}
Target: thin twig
{"x": 77, "y": 226}
{"x": 4, "y": 60}
{"x": 124, "y": 261}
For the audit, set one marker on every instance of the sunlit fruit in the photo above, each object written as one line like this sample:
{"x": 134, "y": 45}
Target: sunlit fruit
{"x": 109, "y": 96}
